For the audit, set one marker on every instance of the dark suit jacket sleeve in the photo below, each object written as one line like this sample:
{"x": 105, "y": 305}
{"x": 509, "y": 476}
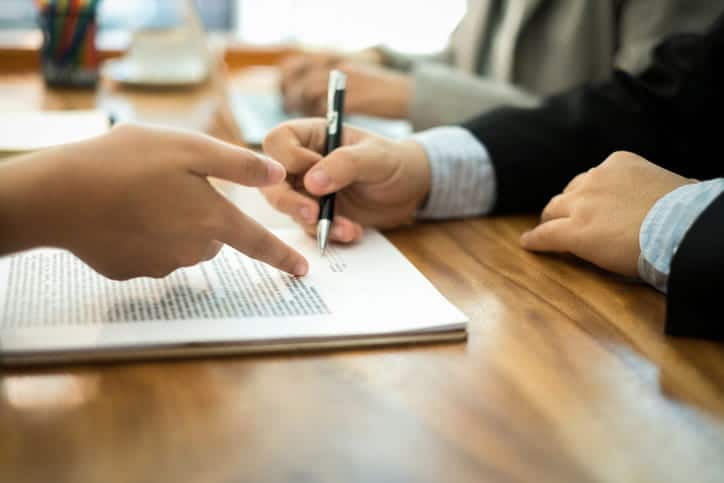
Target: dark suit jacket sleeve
{"x": 696, "y": 280}
{"x": 671, "y": 115}
{"x": 661, "y": 115}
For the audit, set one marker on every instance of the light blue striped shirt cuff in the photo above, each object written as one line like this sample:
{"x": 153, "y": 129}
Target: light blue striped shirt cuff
{"x": 462, "y": 176}
{"x": 666, "y": 225}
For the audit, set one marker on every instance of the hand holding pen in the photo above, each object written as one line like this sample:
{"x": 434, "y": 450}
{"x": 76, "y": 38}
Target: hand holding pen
{"x": 371, "y": 180}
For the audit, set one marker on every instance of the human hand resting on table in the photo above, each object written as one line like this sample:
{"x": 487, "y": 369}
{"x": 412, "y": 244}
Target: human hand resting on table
{"x": 371, "y": 89}
{"x": 379, "y": 182}
{"x": 137, "y": 202}
{"x": 598, "y": 216}
{"x": 294, "y": 68}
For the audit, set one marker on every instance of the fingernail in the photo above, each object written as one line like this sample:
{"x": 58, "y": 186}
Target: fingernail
{"x": 306, "y": 213}
{"x": 338, "y": 232}
{"x": 300, "y": 269}
{"x": 320, "y": 178}
{"x": 524, "y": 236}
{"x": 275, "y": 171}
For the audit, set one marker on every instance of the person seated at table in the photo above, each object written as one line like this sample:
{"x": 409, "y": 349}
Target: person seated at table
{"x": 504, "y": 52}
{"x": 627, "y": 215}
{"x": 136, "y": 201}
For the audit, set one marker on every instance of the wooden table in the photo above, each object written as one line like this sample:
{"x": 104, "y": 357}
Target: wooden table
{"x": 566, "y": 375}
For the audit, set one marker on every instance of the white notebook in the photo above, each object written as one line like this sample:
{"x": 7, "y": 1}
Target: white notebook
{"x": 24, "y": 131}
{"x": 53, "y": 308}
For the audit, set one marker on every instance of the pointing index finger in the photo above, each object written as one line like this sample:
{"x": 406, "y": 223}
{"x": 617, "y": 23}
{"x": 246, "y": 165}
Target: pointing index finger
{"x": 249, "y": 237}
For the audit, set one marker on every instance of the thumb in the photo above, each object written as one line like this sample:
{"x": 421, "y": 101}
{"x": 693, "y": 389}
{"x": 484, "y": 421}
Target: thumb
{"x": 374, "y": 161}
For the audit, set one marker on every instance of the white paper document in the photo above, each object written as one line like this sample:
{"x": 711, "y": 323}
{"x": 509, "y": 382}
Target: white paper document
{"x": 24, "y": 131}
{"x": 55, "y": 308}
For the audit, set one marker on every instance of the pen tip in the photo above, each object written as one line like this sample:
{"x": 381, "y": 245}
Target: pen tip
{"x": 323, "y": 235}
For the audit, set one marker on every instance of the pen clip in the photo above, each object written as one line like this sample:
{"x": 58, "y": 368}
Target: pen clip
{"x": 337, "y": 82}
{"x": 332, "y": 122}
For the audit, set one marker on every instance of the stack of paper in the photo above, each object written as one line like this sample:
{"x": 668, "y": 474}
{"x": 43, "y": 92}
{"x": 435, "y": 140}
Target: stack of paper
{"x": 53, "y": 308}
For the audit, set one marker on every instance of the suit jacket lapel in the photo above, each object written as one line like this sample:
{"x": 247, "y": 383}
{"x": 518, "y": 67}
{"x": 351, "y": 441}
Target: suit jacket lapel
{"x": 470, "y": 34}
{"x": 524, "y": 10}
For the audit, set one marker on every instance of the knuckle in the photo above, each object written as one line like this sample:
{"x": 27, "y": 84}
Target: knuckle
{"x": 117, "y": 270}
{"x": 622, "y": 155}
{"x": 555, "y": 203}
{"x": 187, "y": 259}
{"x": 162, "y": 271}
{"x": 213, "y": 250}
{"x": 557, "y": 200}
{"x": 594, "y": 175}
{"x": 119, "y": 276}
{"x": 574, "y": 183}
{"x": 618, "y": 158}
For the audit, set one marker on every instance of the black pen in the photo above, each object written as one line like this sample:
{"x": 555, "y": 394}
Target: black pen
{"x": 335, "y": 118}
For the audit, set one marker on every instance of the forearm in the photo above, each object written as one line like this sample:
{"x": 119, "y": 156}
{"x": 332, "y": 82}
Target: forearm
{"x": 444, "y": 95}
{"x": 537, "y": 151}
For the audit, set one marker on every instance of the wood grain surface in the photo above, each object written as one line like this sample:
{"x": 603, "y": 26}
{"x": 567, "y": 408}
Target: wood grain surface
{"x": 566, "y": 375}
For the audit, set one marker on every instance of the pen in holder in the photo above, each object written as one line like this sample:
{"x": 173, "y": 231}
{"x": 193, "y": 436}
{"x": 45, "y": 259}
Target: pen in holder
{"x": 68, "y": 55}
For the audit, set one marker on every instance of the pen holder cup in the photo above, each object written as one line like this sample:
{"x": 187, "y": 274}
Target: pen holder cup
{"x": 68, "y": 55}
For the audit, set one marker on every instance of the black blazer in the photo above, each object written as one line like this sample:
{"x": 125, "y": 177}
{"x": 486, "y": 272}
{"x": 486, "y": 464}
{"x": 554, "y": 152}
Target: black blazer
{"x": 671, "y": 114}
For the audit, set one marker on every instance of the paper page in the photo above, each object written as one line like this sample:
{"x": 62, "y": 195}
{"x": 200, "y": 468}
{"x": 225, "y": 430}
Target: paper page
{"x": 259, "y": 113}
{"x": 22, "y": 131}
{"x": 49, "y": 300}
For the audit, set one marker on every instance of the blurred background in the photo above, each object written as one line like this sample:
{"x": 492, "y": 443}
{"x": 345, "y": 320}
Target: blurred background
{"x": 343, "y": 24}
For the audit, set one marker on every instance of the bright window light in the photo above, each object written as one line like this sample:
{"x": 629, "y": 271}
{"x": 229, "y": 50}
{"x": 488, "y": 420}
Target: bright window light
{"x": 413, "y": 26}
